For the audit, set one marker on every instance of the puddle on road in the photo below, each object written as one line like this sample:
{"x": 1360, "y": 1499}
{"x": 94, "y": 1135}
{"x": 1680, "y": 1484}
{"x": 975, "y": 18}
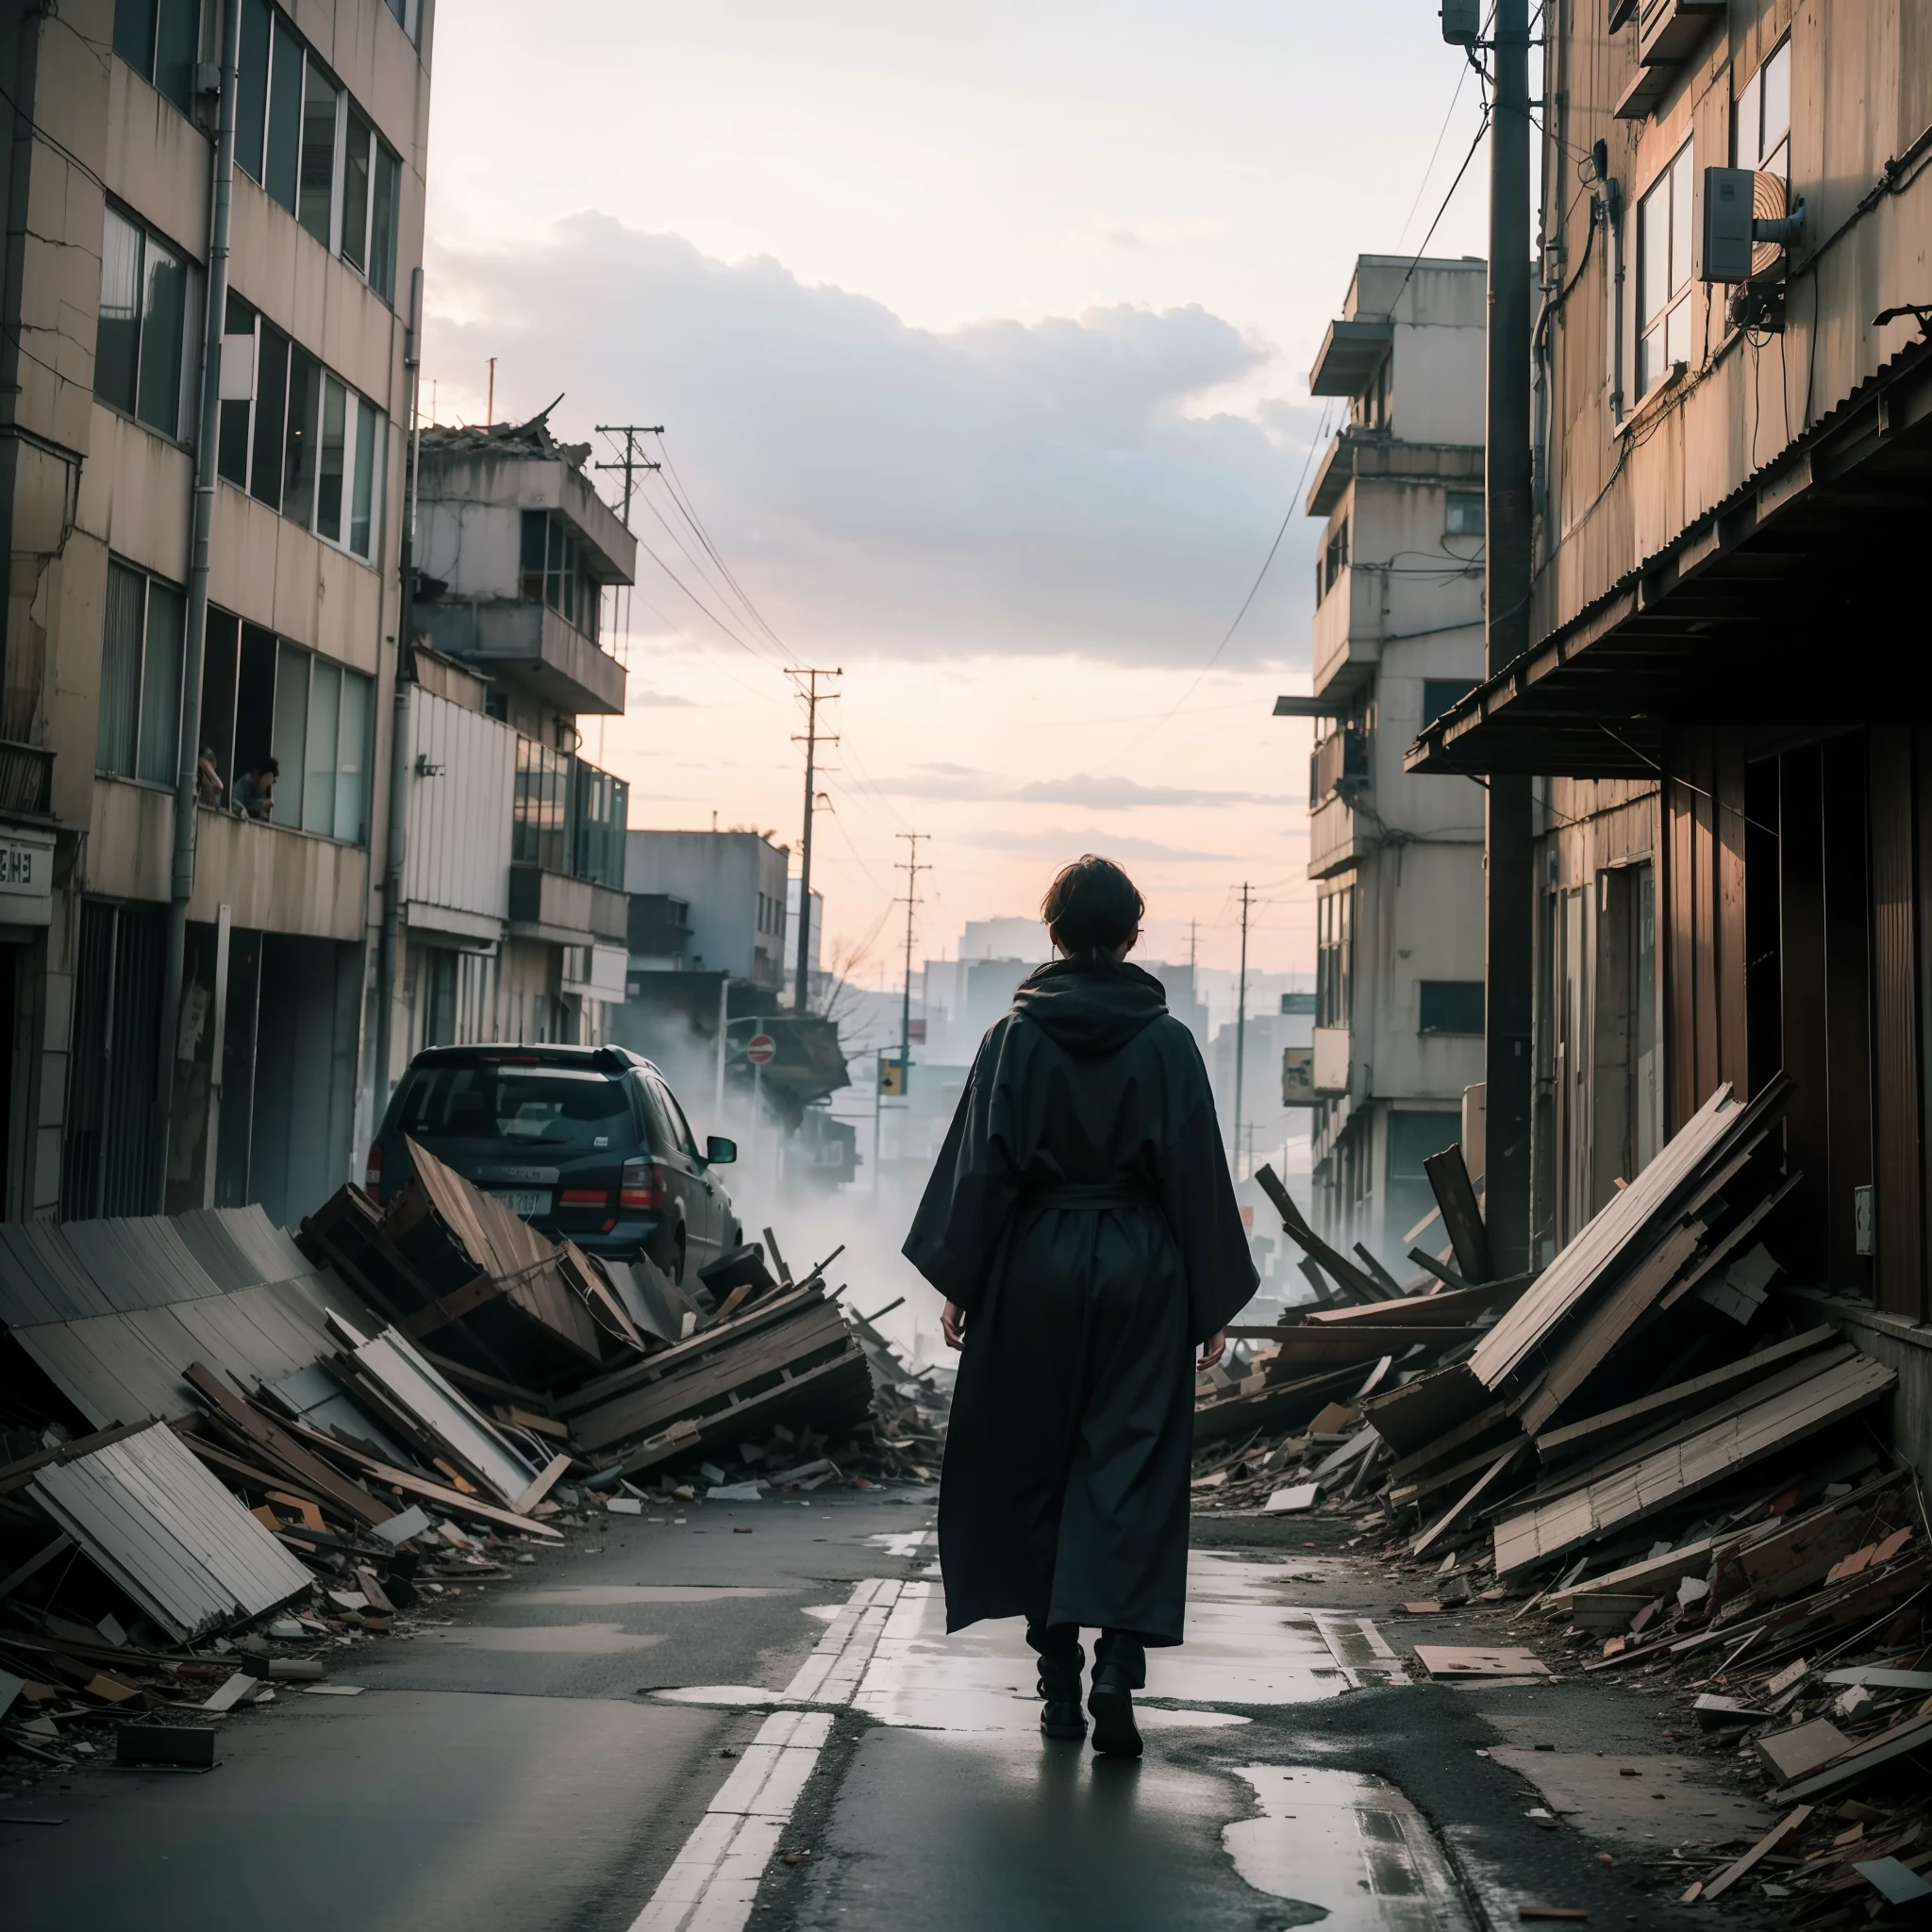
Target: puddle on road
{"x": 574, "y": 1640}
{"x": 590, "y": 1594}
{"x": 1351, "y": 1851}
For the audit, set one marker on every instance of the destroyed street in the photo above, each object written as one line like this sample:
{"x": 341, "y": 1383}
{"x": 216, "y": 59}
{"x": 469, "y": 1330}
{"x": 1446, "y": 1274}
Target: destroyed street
{"x": 720, "y": 1209}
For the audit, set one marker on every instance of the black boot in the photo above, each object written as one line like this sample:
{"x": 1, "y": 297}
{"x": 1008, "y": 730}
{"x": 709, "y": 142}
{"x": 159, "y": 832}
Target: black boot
{"x": 1120, "y": 1669}
{"x": 1062, "y": 1661}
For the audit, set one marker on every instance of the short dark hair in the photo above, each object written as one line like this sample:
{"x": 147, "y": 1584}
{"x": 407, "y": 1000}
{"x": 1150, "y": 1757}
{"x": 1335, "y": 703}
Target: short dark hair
{"x": 1091, "y": 907}
{"x": 271, "y": 766}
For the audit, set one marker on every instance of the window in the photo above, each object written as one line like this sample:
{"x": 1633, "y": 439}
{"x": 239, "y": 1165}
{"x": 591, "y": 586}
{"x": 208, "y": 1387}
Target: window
{"x": 145, "y": 362}
{"x": 1665, "y": 223}
{"x": 600, "y": 804}
{"x": 296, "y": 438}
{"x": 1370, "y": 411}
{"x": 1332, "y": 561}
{"x": 556, "y": 570}
{"x": 1450, "y": 1005}
{"x": 161, "y": 40}
{"x": 1463, "y": 513}
{"x": 299, "y": 134}
{"x": 1439, "y": 693}
{"x": 263, "y": 697}
{"x": 1763, "y": 119}
{"x": 538, "y": 809}
{"x": 140, "y": 719}
{"x": 408, "y": 15}
{"x": 1334, "y": 954}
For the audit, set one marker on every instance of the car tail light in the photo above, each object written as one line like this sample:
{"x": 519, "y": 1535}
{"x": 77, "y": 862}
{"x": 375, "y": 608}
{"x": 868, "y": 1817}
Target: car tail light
{"x": 643, "y": 1185}
{"x": 584, "y": 1197}
{"x": 372, "y": 1172}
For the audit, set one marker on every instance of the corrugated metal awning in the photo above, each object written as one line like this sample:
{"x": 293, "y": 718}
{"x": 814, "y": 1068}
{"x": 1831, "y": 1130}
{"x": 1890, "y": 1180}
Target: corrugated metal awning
{"x": 156, "y": 1524}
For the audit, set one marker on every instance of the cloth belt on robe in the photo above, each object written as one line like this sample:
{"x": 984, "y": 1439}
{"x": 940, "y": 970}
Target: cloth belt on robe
{"x": 1087, "y": 1194}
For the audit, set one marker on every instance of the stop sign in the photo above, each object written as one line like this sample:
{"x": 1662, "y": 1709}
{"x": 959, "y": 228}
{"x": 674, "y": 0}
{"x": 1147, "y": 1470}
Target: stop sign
{"x": 762, "y": 1049}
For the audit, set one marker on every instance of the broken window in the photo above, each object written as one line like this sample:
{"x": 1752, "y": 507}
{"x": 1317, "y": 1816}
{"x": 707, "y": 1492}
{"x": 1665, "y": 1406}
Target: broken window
{"x": 1665, "y": 227}
{"x": 139, "y": 721}
{"x": 150, "y": 296}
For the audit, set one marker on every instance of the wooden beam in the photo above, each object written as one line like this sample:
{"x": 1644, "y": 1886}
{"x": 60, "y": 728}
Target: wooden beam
{"x": 33, "y": 1566}
{"x": 1350, "y": 1277}
{"x": 275, "y": 1441}
{"x": 1462, "y": 1214}
{"x": 524, "y": 1503}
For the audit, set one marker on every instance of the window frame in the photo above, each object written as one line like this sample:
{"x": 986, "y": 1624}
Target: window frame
{"x": 1449, "y": 991}
{"x": 1451, "y": 500}
{"x": 266, "y": 118}
{"x": 1673, "y": 191}
{"x": 1777, "y": 64}
{"x": 353, "y": 712}
{"x": 298, "y": 465}
{"x": 142, "y": 703}
{"x": 187, "y": 382}
{"x": 563, "y": 581}
{"x": 154, "y": 13}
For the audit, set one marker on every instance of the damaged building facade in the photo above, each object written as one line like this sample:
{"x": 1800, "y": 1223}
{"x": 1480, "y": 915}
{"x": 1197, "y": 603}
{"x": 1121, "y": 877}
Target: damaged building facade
{"x": 1734, "y": 438}
{"x": 1397, "y": 638}
{"x": 236, "y": 670}
{"x": 514, "y": 915}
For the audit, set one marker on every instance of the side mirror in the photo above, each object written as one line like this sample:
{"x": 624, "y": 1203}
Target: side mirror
{"x": 719, "y": 1152}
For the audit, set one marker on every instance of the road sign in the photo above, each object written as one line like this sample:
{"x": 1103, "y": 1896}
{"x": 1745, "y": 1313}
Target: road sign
{"x": 762, "y": 1049}
{"x": 891, "y": 1078}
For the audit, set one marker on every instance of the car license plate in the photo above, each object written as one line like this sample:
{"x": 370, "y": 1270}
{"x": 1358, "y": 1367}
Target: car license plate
{"x": 525, "y": 1201}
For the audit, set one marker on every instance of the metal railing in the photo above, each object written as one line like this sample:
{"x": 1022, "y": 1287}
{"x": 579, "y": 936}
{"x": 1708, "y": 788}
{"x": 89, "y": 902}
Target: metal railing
{"x": 1338, "y": 764}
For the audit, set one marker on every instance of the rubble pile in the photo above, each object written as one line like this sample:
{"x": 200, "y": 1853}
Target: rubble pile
{"x": 229, "y": 1457}
{"x": 1653, "y": 1458}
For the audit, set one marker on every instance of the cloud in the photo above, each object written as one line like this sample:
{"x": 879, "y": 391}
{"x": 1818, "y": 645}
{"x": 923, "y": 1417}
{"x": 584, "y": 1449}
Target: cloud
{"x": 1128, "y": 794}
{"x": 1068, "y": 846}
{"x": 1018, "y": 487}
{"x": 1095, "y": 794}
{"x": 638, "y": 696}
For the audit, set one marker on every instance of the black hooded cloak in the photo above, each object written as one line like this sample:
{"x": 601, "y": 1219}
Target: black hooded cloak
{"x": 1082, "y": 1215}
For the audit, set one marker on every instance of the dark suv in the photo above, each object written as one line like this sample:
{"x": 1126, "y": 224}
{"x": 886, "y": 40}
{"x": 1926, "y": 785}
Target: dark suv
{"x": 585, "y": 1142}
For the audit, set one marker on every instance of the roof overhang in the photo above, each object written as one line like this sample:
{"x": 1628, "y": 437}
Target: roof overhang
{"x": 1773, "y": 611}
{"x": 1350, "y": 353}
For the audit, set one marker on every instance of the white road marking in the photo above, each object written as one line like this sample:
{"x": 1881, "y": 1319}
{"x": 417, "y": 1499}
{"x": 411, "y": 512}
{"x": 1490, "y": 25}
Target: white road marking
{"x": 831, "y": 1674}
{"x": 713, "y": 1881}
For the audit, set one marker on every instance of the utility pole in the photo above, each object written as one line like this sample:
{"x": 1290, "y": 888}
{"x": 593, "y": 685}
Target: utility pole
{"x": 911, "y": 866}
{"x": 801, "y": 999}
{"x": 633, "y": 458}
{"x": 1194, "y": 941}
{"x": 1240, "y": 1028}
{"x": 1509, "y": 884}
{"x": 490, "y": 399}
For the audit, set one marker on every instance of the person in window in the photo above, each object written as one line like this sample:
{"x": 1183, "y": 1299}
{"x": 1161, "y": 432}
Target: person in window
{"x": 207, "y": 777}
{"x": 1081, "y": 1225}
{"x": 255, "y": 790}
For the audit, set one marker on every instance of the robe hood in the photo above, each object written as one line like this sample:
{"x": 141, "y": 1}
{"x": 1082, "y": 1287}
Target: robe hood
{"x": 1091, "y": 1007}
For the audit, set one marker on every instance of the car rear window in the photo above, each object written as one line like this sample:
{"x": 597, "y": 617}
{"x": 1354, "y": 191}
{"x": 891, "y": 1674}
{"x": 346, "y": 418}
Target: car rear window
{"x": 559, "y": 1107}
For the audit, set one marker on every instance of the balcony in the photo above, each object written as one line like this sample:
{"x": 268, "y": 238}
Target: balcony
{"x": 1340, "y": 763}
{"x": 1336, "y": 838}
{"x": 564, "y": 911}
{"x": 1331, "y": 1067}
{"x": 531, "y": 643}
{"x": 27, "y": 780}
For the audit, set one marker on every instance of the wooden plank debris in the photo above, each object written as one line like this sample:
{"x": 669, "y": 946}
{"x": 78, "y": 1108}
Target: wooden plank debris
{"x": 1462, "y": 1214}
{"x": 1740, "y": 1868}
{"x": 1474, "y": 1660}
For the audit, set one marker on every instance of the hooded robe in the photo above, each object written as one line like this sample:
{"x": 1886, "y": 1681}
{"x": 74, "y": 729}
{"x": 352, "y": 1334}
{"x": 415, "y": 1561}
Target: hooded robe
{"x": 1081, "y": 1213}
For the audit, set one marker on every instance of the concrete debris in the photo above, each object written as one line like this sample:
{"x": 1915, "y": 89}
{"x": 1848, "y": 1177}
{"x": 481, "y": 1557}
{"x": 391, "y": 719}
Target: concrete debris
{"x": 405, "y": 1404}
{"x": 1661, "y": 1459}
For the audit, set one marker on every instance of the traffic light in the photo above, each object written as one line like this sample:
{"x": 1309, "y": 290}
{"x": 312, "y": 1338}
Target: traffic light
{"x": 891, "y": 1077}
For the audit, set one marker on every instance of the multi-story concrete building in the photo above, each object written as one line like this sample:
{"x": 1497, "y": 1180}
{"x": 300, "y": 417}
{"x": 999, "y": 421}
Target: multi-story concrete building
{"x": 515, "y": 920}
{"x": 202, "y": 502}
{"x": 733, "y": 888}
{"x": 1397, "y": 638}
{"x": 1722, "y": 696}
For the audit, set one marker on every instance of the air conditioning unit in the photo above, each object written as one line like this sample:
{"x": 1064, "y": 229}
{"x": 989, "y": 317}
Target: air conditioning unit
{"x": 1745, "y": 224}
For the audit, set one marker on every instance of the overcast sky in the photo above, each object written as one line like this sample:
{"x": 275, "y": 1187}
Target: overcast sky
{"x": 980, "y": 337}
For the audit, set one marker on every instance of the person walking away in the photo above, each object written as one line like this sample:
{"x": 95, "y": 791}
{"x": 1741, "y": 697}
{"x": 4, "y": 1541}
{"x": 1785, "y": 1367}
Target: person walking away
{"x": 1081, "y": 1223}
